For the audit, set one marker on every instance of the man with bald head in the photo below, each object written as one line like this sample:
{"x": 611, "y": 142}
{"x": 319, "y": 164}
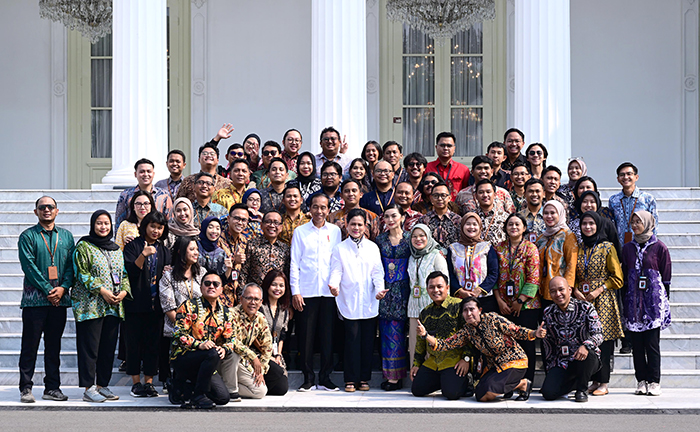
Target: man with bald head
{"x": 571, "y": 351}
{"x": 382, "y": 194}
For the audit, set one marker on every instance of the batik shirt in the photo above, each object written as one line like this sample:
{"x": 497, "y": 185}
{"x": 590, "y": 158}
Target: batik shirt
{"x": 492, "y": 223}
{"x": 307, "y": 189}
{"x": 523, "y": 268}
{"x": 246, "y": 331}
{"x": 371, "y": 225}
{"x": 501, "y": 199}
{"x": 172, "y": 293}
{"x": 187, "y": 186}
{"x": 535, "y": 221}
{"x": 228, "y": 197}
{"x": 577, "y": 325}
{"x": 196, "y": 322}
{"x": 519, "y": 201}
{"x": 445, "y": 229}
{"x": 210, "y": 209}
{"x": 289, "y": 224}
{"x": 263, "y": 256}
{"x": 442, "y": 322}
{"x": 170, "y": 185}
{"x": 624, "y": 206}
{"x": 232, "y": 287}
{"x": 271, "y": 200}
{"x": 335, "y": 205}
{"x": 164, "y": 203}
{"x": 558, "y": 254}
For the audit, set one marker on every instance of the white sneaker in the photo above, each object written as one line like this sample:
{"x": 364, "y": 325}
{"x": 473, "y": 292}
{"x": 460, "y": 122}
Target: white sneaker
{"x": 641, "y": 388}
{"x": 654, "y": 389}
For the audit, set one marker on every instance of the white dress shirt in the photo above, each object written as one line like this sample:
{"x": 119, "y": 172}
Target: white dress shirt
{"x": 311, "y": 257}
{"x": 357, "y": 270}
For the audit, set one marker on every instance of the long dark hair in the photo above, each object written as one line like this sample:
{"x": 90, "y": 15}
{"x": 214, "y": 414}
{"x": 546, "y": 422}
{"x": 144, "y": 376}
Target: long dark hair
{"x": 132, "y": 214}
{"x": 286, "y": 300}
{"x": 179, "y": 257}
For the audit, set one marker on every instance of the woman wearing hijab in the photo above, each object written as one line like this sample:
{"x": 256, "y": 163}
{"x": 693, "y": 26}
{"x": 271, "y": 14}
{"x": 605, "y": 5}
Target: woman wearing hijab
{"x": 558, "y": 249}
{"x": 576, "y": 169}
{"x": 582, "y": 185}
{"x": 425, "y": 259}
{"x": 473, "y": 264}
{"x": 101, "y": 283}
{"x": 308, "y": 181}
{"x": 211, "y": 256}
{"x": 590, "y": 201}
{"x": 646, "y": 265}
{"x": 598, "y": 275}
{"x": 182, "y": 225}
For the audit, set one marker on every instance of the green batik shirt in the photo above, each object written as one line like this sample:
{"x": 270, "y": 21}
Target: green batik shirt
{"x": 35, "y": 259}
{"x": 442, "y": 322}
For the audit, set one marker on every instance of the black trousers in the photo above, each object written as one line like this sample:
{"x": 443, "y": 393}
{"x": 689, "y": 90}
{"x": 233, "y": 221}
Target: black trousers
{"x": 489, "y": 304}
{"x": 164, "y": 358}
{"x": 529, "y": 318}
{"x": 646, "y": 355}
{"x": 96, "y": 340}
{"x": 143, "y": 332}
{"x": 50, "y": 321}
{"x": 359, "y": 344}
{"x": 427, "y": 381}
{"x": 319, "y": 315}
{"x": 199, "y": 367}
{"x": 121, "y": 352}
{"x": 559, "y": 381}
{"x": 276, "y": 381}
{"x": 606, "y": 352}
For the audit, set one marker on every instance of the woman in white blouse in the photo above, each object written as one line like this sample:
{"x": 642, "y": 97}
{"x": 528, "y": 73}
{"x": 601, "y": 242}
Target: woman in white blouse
{"x": 357, "y": 282}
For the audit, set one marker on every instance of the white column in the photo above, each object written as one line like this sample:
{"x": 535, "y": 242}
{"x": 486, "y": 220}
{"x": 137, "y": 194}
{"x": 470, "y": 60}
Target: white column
{"x": 339, "y": 71}
{"x": 139, "y": 89}
{"x": 543, "y": 76}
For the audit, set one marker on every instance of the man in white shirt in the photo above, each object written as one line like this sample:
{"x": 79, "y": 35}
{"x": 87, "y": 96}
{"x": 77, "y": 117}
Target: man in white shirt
{"x": 312, "y": 244}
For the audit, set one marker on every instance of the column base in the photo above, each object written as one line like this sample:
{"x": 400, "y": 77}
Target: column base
{"x": 120, "y": 176}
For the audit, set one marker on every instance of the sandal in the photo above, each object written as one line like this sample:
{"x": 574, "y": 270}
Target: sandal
{"x": 350, "y": 387}
{"x": 364, "y": 386}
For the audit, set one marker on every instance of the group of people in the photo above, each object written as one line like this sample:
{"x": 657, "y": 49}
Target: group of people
{"x": 201, "y": 279}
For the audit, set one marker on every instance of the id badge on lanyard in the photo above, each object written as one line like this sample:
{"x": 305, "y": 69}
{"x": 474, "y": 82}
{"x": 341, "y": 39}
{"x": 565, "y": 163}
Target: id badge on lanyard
{"x": 510, "y": 288}
{"x": 416, "y": 291}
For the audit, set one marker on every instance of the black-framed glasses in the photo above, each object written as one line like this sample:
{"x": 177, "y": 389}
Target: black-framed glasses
{"x": 142, "y": 204}
{"x": 208, "y": 283}
{"x": 329, "y": 174}
{"x": 252, "y": 299}
{"x": 269, "y": 153}
{"x": 535, "y": 152}
{"x": 239, "y": 155}
{"x": 204, "y": 183}
{"x": 272, "y": 223}
{"x": 43, "y": 207}
{"x": 414, "y": 164}
{"x": 440, "y": 196}
{"x": 239, "y": 219}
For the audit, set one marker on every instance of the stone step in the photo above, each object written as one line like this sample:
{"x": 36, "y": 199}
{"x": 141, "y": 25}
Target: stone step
{"x": 65, "y": 216}
{"x": 678, "y": 214}
{"x": 13, "y": 342}
{"x": 657, "y": 192}
{"x": 689, "y": 360}
{"x": 60, "y": 195}
{"x": 11, "y": 240}
{"x": 685, "y": 310}
{"x": 684, "y": 252}
{"x": 675, "y": 239}
{"x": 11, "y": 280}
{"x": 677, "y": 203}
{"x": 63, "y": 206}
{"x": 685, "y": 295}
{"x": 686, "y": 265}
{"x": 677, "y": 226}
{"x": 684, "y": 325}
{"x": 9, "y": 359}
{"x": 671, "y": 342}
{"x": 14, "y": 325}
{"x": 685, "y": 280}
{"x": 670, "y": 378}
{"x": 16, "y": 228}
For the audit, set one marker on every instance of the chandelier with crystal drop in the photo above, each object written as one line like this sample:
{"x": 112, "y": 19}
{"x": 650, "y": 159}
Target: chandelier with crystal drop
{"x": 441, "y": 18}
{"x": 92, "y": 18}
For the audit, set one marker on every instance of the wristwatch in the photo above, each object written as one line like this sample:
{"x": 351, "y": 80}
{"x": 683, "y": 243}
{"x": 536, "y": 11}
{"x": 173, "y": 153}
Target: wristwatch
{"x": 520, "y": 301}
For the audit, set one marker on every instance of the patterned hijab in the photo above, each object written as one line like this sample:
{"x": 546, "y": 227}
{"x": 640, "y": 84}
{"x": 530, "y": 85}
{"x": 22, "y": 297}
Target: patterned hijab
{"x": 463, "y": 238}
{"x": 598, "y": 236}
{"x": 561, "y": 224}
{"x": 180, "y": 229}
{"x": 648, "y": 222}
{"x": 430, "y": 246}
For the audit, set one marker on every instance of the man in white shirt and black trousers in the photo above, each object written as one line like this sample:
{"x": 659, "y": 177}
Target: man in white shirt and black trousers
{"x": 312, "y": 244}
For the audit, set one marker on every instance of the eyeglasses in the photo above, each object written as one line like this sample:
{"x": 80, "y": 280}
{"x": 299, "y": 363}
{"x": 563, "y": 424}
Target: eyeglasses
{"x": 272, "y": 223}
{"x": 329, "y": 175}
{"x": 204, "y": 183}
{"x": 237, "y": 154}
{"x": 252, "y": 299}
{"x": 431, "y": 183}
{"x": 206, "y": 154}
{"x": 293, "y": 141}
{"x": 414, "y": 164}
{"x": 43, "y": 207}
{"x": 239, "y": 219}
{"x": 269, "y": 153}
{"x": 142, "y": 204}
{"x": 253, "y": 200}
{"x": 440, "y": 196}
{"x": 535, "y": 152}
{"x": 209, "y": 283}
{"x": 331, "y": 139}
{"x": 382, "y": 171}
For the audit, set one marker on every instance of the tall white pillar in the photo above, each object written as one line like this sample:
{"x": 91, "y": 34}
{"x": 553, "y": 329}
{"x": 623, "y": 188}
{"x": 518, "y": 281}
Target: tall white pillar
{"x": 339, "y": 71}
{"x": 139, "y": 88}
{"x": 543, "y": 76}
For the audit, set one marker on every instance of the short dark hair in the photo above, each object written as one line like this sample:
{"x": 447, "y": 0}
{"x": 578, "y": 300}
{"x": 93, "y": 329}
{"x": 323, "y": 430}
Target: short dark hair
{"x": 177, "y": 152}
{"x": 132, "y": 214}
{"x": 234, "y": 146}
{"x": 470, "y": 299}
{"x": 240, "y": 161}
{"x": 209, "y": 273}
{"x": 624, "y": 165}
{"x": 404, "y": 182}
{"x": 329, "y": 129}
{"x": 289, "y": 187}
{"x": 417, "y": 157}
{"x": 271, "y": 143}
{"x": 511, "y": 130}
{"x": 512, "y": 215}
{"x": 332, "y": 164}
{"x": 551, "y": 168}
{"x": 519, "y": 163}
{"x": 239, "y": 206}
{"x": 269, "y": 212}
{"x": 438, "y": 184}
{"x": 348, "y": 181}
{"x": 284, "y": 137}
{"x": 155, "y": 217}
{"x": 36, "y": 204}
{"x": 483, "y": 182}
{"x": 496, "y": 144}
{"x": 392, "y": 143}
{"x": 434, "y": 275}
{"x": 356, "y": 212}
{"x": 533, "y": 181}
{"x": 317, "y": 195}
{"x": 376, "y": 146}
{"x": 481, "y": 159}
{"x": 279, "y": 159}
{"x": 209, "y": 145}
{"x": 201, "y": 174}
{"x": 442, "y": 135}
{"x": 286, "y": 300}
{"x": 143, "y": 161}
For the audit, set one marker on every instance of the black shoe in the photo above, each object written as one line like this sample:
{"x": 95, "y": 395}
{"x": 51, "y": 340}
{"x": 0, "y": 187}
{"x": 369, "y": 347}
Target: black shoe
{"x": 54, "y": 395}
{"x": 327, "y": 385}
{"x": 508, "y": 395}
{"x": 525, "y": 395}
{"x": 122, "y": 366}
{"x": 393, "y": 386}
{"x": 234, "y": 397}
{"x": 150, "y": 390}
{"x": 175, "y": 395}
{"x": 138, "y": 390}
{"x": 581, "y": 396}
{"x": 383, "y": 385}
{"x": 202, "y": 402}
{"x": 625, "y": 349}
{"x": 307, "y": 386}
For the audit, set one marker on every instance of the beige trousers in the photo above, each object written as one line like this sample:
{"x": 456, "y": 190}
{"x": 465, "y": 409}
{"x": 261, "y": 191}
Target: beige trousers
{"x": 240, "y": 380}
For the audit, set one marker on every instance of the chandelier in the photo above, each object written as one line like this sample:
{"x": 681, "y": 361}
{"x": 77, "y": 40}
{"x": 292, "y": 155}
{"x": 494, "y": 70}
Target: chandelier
{"x": 441, "y": 18}
{"x": 92, "y": 18}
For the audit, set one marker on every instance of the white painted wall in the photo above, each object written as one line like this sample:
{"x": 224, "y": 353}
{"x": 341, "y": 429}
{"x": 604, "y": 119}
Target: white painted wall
{"x": 626, "y": 88}
{"x": 25, "y": 96}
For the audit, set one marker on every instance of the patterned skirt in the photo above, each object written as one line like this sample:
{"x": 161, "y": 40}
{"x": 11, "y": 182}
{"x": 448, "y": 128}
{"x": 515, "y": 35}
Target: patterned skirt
{"x": 394, "y": 349}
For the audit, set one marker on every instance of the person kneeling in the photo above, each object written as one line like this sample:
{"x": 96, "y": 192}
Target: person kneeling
{"x": 493, "y": 336}
{"x": 574, "y": 333}
{"x": 203, "y": 336}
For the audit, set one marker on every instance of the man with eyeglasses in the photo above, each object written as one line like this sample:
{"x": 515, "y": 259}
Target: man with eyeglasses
{"x": 239, "y": 175}
{"x": 175, "y": 163}
{"x": 415, "y": 165}
{"x": 244, "y": 372}
{"x": 203, "y": 338}
{"x": 203, "y": 206}
{"x": 271, "y": 196}
{"x": 331, "y": 150}
{"x": 492, "y": 217}
{"x": 292, "y": 144}
{"x": 443, "y": 223}
{"x": 208, "y": 162}
{"x": 314, "y": 305}
{"x": 381, "y": 195}
{"x": 455, "y": 174}
{"x": 482, "y": 168}
{"x": 45, "y": 253}
{"x": 265, "y": 252}
{"x": 235, "y": 235}
{"x": 331, "y": 175}
{"x": 144, "y": 173}
{"x": 630, "y": 199}
{"x": 519, "y": 175}
{"x": 514, "y": 139}
{"x": 393, "y": 153}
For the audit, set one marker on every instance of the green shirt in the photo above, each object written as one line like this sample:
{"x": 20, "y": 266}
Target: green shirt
{"x": 35, "y": 259}
{"x": 442, "y": 322}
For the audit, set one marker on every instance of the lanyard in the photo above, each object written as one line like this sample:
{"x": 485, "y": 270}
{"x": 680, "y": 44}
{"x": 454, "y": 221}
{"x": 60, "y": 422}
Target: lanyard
{"x": 629, "y": 218}
{"x": 640, "y": 255}
{"x": 511, "y": 256}
{"x": 48, "y": 248}
{"x": 587, "y": 259}
{"x": 108, "y": 258}
{"x": 381, "y": 205}
{"x": 196, "y": 215}
{"x": 190, "y": 288}
{"x": 468, "y": 256}
{"x": 274, "y": 322}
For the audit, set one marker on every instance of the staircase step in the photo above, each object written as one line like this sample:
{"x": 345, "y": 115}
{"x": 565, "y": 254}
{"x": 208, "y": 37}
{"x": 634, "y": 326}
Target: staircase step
{"x": 679, "y": 342}
{"x": 13, "y": 342}
{"x": 64, "y": 216}
{"x": 9, "y": 359}
{"x": 678, "y": 214}
{"x": 11, "y": 280}
{"x": 668, "y": 204}
{"x": 677, "y": 239}
{"x": 672, "y": 378}
{"x": 685, "y": 280}
{"x": 669, "y": 360}
{"x": 678, "y": 226}
{"x": 685, "y": 295}
{"x": 16, "y": 228}
{"x": 657, "y": 192}
{"x": 64, "y": 206}
{"x": 684, "y": 326}
{"x": 686, "y": 265}
{"x": 684, "y": 252}
{"x": 14, "y": 324}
